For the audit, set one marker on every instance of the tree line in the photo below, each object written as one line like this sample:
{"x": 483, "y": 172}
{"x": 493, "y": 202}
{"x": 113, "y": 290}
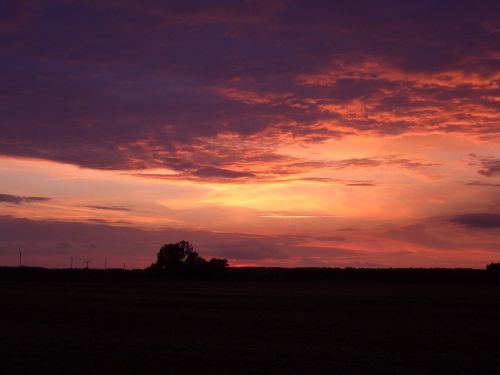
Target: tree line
{"x": 180, "y": 259}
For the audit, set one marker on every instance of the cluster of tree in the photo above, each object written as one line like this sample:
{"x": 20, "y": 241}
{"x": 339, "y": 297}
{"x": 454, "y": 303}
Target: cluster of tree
{"x": 180, "y": 259}
{"x": 493, "y": 271}
{"x": 493, "y": 267}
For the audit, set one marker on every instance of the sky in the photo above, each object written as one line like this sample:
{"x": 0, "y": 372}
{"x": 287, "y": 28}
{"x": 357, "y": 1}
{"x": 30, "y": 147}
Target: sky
{"x": 271, "y": 133}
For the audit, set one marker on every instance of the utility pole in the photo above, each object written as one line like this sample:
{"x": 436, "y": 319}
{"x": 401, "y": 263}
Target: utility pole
{"x": 105, "y": 264}
{"x": 123, "y": 265}
{"x": 87, "y": 264}
{"x": 71, "y": 263}
{"x": 20, "y": 258}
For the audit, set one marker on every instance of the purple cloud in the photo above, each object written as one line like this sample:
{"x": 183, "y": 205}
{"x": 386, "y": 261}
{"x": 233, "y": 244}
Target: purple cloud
{"x": 16, "y": 199}
{"x": 479, "y": 183}
{"x": 110, "y": 208}
{"x": 478, "y": 220}
{"x": 121, "y": 86}
{"x": 491, "y": 167}
{"x": 220, "y": 173}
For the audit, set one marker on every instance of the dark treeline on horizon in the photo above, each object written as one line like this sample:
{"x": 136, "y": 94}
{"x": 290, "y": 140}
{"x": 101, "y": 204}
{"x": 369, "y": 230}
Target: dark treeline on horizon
{"x": 433, "y": 275}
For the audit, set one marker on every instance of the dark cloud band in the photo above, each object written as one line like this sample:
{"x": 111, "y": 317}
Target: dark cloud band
{"x": 16, "y": 199}
{"x": 478, "y": 220}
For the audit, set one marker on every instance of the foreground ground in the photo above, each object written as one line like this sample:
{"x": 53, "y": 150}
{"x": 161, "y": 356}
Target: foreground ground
{"x": 249, "y": 328}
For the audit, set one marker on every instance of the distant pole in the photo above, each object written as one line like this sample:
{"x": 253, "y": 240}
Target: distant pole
{"x": 87, "y": 264}
{"x": 20, "y": 258}
{"x": 123, "y": 265}
{"x": 105, "y": 264}
{"x": 71, "y": 263}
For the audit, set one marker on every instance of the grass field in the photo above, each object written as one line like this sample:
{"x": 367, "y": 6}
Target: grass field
{"x": 249, "y": 328}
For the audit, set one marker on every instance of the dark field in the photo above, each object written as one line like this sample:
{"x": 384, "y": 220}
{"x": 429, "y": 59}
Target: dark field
{"x": 249, "y": 328}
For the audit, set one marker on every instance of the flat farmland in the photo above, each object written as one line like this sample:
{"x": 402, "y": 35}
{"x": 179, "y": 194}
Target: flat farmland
{"x": 228, "y": 327}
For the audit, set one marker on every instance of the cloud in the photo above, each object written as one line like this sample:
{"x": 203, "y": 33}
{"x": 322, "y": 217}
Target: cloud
{"x": 491, "y": 167}
{"x": 354, "y": 163}
{"x": 337, "y": 181}
{"x": 479, "y": 183}
{"x": 110, "y": 208}
{"x": 110, "y": 222}
{"x": 274, "y": 216}
{"x": 268, "y": 74}
{"x": 478, "y": 220}
{"x": 16, "y": 199}
{"x": 407, "y": 163}
{"x": 220, "y": 173}
{"x": 280, "y": 168}
{"x": 361, "y": 184}
{"x": 390, "y": 160}
{"x": 255, "y": 179}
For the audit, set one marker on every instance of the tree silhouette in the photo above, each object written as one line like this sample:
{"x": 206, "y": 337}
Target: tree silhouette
{"x": 181, "y": 259}
{"x": 493, "y": 271}
{"x": 173, "y": 255}
{"x": 215, "y": 263}
{"x": 493, "y": 267}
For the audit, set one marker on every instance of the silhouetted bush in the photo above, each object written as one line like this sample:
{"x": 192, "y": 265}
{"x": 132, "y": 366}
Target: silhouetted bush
{"x": 493, "y": 271}
{"x": 174, "y": 256}
{"x": 180, "y": 259}
{"x": 218, "y": 263}
{"x": 493, "y": 267}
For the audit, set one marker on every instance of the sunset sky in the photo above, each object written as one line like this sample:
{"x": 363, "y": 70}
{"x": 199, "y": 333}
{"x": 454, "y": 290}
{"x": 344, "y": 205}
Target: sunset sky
{"x": 274, "y": 133}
